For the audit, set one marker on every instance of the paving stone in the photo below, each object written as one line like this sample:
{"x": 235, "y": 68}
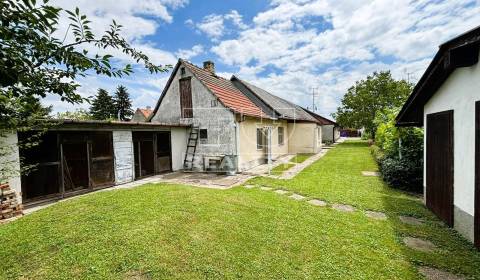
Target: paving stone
{"x": 265, "y": 188}
{"x": 436, "y": 274}
{"x": 410, "y": 220}
{"x": 343, "y": 207}
{"x": 376, "y": 215}
{"x": 297, "y": 196}
{"x": 370, "y": 173}
{"x": 281, "y": 191}
{"x": 317, "y": 202}
{"x": 249, "y": 186}
{"x": 419, "y": 244}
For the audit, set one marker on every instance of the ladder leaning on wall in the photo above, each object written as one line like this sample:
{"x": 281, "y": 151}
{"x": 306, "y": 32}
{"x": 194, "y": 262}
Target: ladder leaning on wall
{"x": 191, "y": 148}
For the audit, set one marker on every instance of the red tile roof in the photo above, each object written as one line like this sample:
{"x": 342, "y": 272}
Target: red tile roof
{"x": 146, "y": 112}
{"x": 226, "y": 92}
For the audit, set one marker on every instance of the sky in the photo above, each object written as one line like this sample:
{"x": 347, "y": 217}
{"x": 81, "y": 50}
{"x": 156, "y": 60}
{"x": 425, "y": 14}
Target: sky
{"x": 291, "y": 48}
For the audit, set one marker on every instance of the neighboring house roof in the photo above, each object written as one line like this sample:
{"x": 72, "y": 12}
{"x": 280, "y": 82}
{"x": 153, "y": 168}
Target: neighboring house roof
{"x": 322, "y": 120}
{"x": 146, "y": 112}
{"x": 230, "y": 96}
{"x": 461, "y": 51}
{"x": 284, "y": 108}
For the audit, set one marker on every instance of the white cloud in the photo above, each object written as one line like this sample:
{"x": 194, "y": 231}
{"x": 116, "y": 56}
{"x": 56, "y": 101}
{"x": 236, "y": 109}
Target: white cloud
{"x": 330, "y": 44}
{"x": 214, "y": 25}
{"x": 187, "y": 54}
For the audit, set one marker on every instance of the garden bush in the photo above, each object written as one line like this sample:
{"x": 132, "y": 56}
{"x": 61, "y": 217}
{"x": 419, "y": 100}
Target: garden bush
{"x": 399, "y": 153}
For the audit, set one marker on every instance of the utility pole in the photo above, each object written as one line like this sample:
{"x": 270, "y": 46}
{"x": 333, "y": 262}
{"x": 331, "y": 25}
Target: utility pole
{"x": 313, "y": 98}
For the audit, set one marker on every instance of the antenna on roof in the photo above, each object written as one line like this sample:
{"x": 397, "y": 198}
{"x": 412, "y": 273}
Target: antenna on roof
{"x": 314, "y": 94}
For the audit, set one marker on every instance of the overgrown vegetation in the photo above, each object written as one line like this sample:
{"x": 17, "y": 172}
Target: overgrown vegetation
{"x": 399, "y": 152}
{"x": 299, "y": 158}
{"x": 279, "y": 169}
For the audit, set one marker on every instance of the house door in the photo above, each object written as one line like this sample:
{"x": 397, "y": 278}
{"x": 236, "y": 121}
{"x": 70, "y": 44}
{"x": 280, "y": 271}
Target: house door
{"x": 477, "y": 175}
{"x": 186, "y": 97}
{"x": 439, "y": 169}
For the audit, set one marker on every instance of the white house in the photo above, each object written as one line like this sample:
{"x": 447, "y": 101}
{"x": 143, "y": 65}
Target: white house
{"x": 446, "y": 102}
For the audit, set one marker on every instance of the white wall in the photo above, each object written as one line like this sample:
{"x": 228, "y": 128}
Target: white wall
{"x": 327, "y": 132}
{"x": 11, "y": 162}
{"x": 124, "y": 160}
{"x": 179, "y": 138}
{"x": 459, "y": 93}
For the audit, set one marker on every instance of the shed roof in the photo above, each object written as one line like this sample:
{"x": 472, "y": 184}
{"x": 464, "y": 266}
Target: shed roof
{"x": 461, "y": 51}
{"x": 145, "y": 112}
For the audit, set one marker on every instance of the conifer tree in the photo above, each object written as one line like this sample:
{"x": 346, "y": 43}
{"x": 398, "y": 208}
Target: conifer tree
{"x": 103, "y": 106}
{"x": 123, "y": 104}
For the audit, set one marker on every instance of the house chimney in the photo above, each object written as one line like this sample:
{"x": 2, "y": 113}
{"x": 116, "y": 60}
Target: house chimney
{"x": 209, "y": 65}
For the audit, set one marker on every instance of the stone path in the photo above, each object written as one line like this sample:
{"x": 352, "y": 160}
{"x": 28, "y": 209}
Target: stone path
{"x": 343, "y": 207}
{"x": 419, "y": 244}
{"x": 376, "y": 215}
{"x": 317, "y": 202}
{"x": 282, "y": 191}
{"x": 297, "y": 196}
{"x": 436, "y": 274}
{"x": 410, "y": 220}
{"x": 266, "y": 188}
{"x": 370, "y": 173}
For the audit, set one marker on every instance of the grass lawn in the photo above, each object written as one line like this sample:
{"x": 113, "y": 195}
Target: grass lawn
{"x": 180, "y": 232}
{"x": 299, "y": 158}
{"x": 279, "y": 169}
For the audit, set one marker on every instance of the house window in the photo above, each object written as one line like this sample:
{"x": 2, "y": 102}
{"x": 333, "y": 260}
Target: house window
{"x": 280, "y": 135}
{"x": 260, "y": 139}
{"x": 203, "y": 136}
{"x": 182, "y": 71}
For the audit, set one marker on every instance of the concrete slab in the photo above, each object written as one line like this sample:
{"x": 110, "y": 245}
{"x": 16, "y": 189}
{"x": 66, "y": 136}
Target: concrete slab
{"x": 281, "y": 191}
{"x": 370, "y": 173}
{"x": 436, "y": 274}
{"x": 376, "y": 215}
{"x": 317, "y": 202}
{"x": 419, "y": 244}
{"x": 343, "y": 207}
{"x": 297, "y": 196}
{"x": 411, "y": 220}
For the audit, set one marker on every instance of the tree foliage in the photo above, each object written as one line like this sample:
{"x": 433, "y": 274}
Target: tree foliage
{"x": 78, "y": 114}
{"x": 367, "y": 97}
{"x": 34, "y": 63}
{"x": 103, "y": 106}
{"x": 123, "y": 104}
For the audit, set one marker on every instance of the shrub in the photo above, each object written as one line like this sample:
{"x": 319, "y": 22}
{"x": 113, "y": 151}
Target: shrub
{"x": 399, "y": 153}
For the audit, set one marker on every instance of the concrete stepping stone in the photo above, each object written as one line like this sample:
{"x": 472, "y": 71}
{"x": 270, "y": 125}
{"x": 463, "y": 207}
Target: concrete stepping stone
{"x": 419, "y": 244}
{"x": 281, "y": 191}
{"x": 249, "y": 186}
{"x": 410, "y": 220}
{"x": 297, "y": 196}
{"x": 266, "y": 188}
{"x": 317, "y": 202}
{"x": 343, "y": 207}
{"x": 371, "y": 173}
{"x": 436, "y": 274}
{"x": 376, "y": 215}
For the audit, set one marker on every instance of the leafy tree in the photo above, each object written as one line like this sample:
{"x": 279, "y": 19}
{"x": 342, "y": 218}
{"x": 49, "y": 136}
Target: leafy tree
{"x": 123, "y": 104}
{"x": 103, "y": 106}
{"x": 35, "y": 63}
{"x": 78, "y": 114}
{"x": 367, "y": 97}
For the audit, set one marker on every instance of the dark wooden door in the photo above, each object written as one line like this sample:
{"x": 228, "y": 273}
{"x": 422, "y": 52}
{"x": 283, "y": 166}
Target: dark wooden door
{"x": 439, "y": 192}
{"x": 186, "y": 98}
{"x": 477, "y": 175}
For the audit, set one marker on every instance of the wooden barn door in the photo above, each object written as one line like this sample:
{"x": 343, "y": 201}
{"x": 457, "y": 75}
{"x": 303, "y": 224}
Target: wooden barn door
{"x": 439, "y": 192}
{"x": 477, "y": 175}
{"x": 186, "y": 98}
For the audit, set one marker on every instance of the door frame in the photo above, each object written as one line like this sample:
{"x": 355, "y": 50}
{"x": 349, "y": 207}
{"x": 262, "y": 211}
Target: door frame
{"x": 476, "y": 215}
{"x": 450, "y": 218}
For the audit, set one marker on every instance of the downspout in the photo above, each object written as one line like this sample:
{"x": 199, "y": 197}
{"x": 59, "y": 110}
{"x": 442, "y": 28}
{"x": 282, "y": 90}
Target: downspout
{"x": 237, "y": 144}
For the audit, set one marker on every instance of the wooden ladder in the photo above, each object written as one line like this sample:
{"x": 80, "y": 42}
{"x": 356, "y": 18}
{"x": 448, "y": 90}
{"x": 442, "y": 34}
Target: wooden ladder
{"x": 191, "y": 148}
